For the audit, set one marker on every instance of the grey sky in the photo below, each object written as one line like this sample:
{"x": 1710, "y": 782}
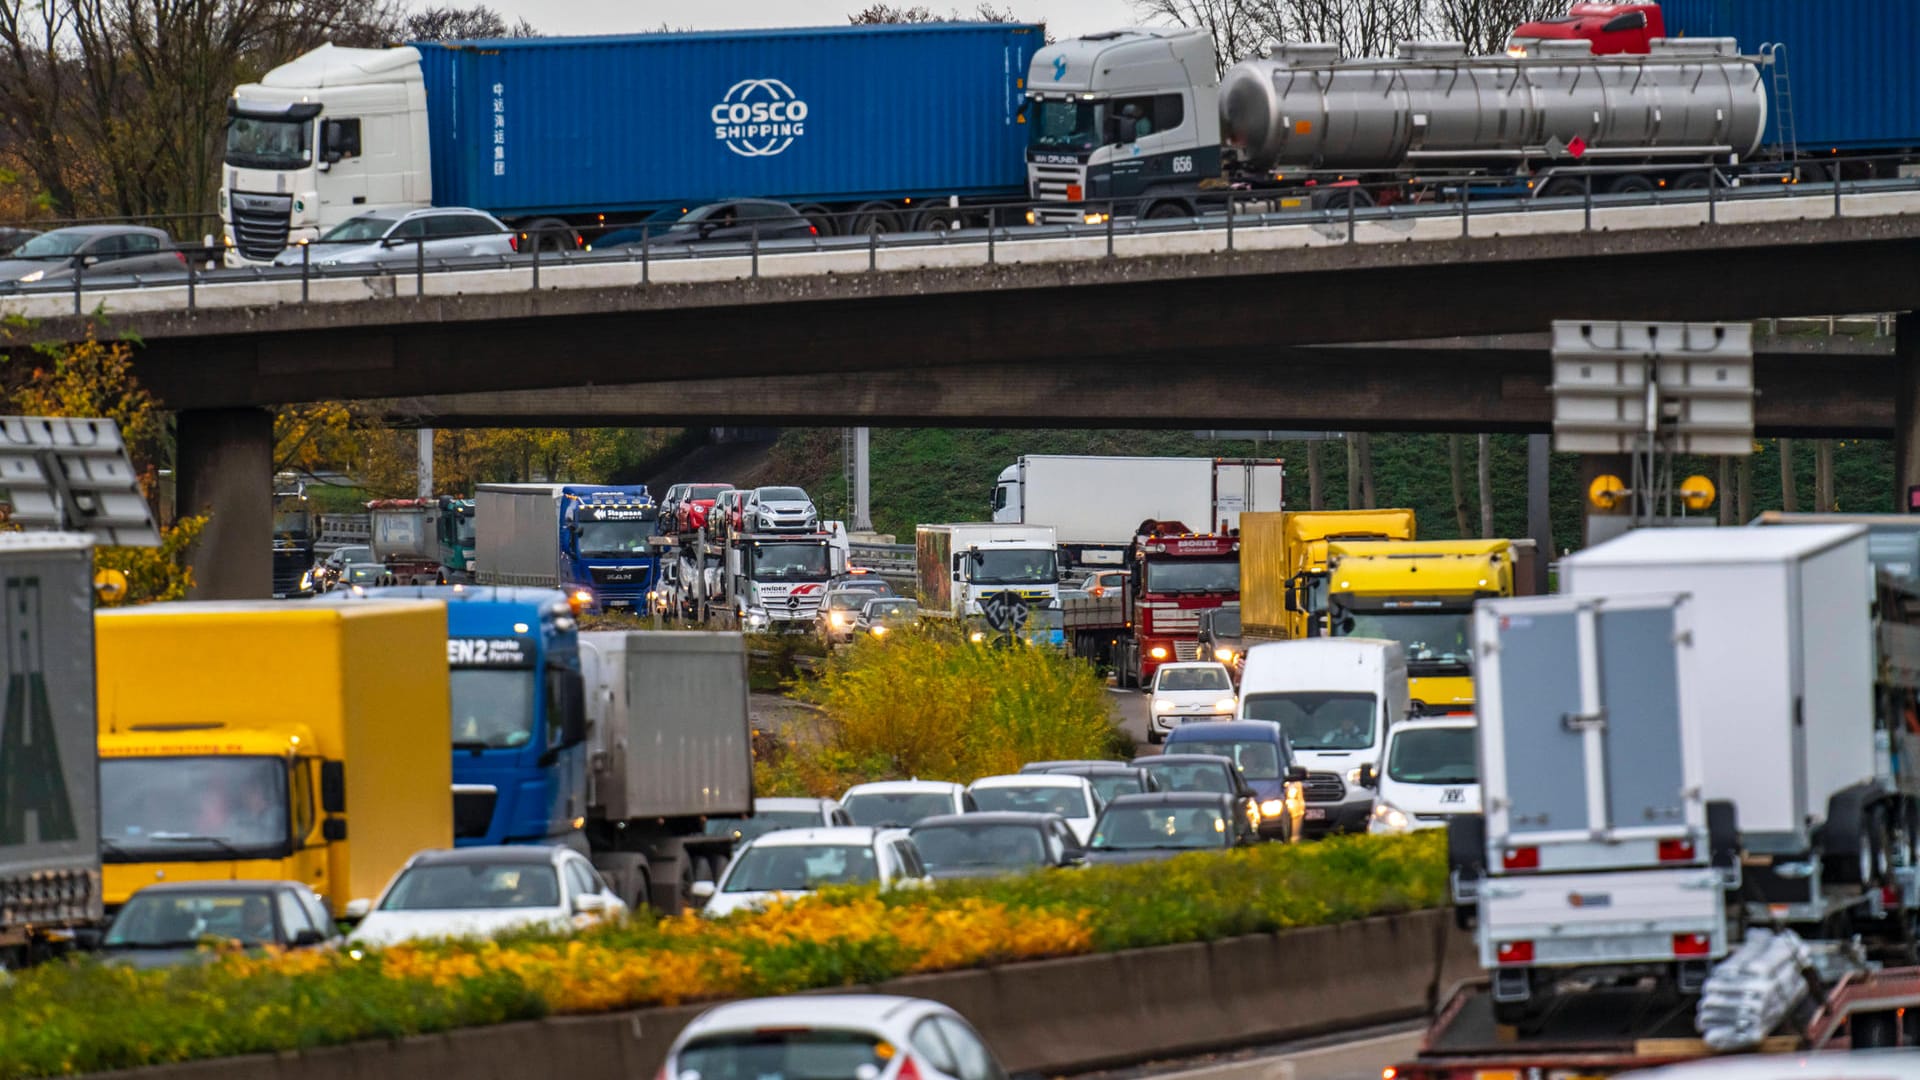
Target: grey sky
{"x": 1066, "y": 18}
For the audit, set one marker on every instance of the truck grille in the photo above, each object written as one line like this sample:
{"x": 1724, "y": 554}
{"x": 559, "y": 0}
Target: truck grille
{"x": 473, "y": 811}
{"x": 260, "y": 223}
{"x": 1186, "y": 650}
{"x": 1050, "y": 182}
{"x": 1325, "y": 787}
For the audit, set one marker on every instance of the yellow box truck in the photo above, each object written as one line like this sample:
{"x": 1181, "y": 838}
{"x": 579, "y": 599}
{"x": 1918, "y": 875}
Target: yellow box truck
{"x": 1283, "y": 559}
{"x": 261, "y": 740}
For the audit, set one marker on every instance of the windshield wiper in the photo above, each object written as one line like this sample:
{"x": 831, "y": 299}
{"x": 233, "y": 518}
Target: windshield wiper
{"x": 471, "y": 744}
{"x": 220, "y": 842}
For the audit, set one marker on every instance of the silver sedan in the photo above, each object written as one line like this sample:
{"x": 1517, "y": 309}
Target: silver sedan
{"x": 399, "y": 238}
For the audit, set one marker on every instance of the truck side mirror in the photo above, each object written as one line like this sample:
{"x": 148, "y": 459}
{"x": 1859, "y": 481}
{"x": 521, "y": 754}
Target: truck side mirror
{"x": 573, "y": 699}
{"x": 1369, "y": 776}
{"x": 1292, "y": 595}
{"x": 333, "y": 787}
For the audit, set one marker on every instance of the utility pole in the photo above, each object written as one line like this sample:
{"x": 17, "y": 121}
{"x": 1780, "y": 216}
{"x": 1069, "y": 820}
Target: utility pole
{"x": 423, "y": 474}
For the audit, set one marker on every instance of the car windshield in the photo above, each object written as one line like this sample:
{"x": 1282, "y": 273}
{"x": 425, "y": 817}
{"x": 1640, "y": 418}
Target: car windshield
{"x": 705, "y": 491}
{"x": 167, "y": 808}
{"x": 1013, "y": 566}
{"x": 763, "y": 822}
{"x": 1433, "y": 756}
{"x": 783, "y": 1053}
{"x": 1193, "y": 678}
{"x": 365, "y": 227}
{"x": 1142, "y": 828}
{"x": 1193, "y": 576}
{"x": 775, "y": 561}
{"x": 1066, "y": 125}
{"x": 880, "y": 609}
{"x": 477, "y": 885}
{"x": 258, "y": 142}
{"x": 1432, "y": 638}
{"x": 1225, "y": 622}
{"x": 172, "y": 919}
{"x": 1317, "y": 720}
{"x": 492, "y": 707}
{"x": 972, "y": 847}
{"x": 1189, "y": 775}
{"x": 783, "y": 494}
{"x": 53, "y": 245}
{"x": 896, "y": 808}
{"x": 614, "y": 539}
{"x": 350, "y": 555}
{"x": 801, "y": 867}
{"x": 1257, "y": 760}
{"x": 1068, "y": 802}
{"x": 846, "y": 601}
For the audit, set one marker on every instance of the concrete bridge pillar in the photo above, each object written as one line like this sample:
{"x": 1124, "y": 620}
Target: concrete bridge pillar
{"x": 224, "y": 459}
{"x": 1906, "y": 407}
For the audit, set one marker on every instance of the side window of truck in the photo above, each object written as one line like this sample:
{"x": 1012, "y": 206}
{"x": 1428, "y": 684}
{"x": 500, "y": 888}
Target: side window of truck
{"x": 300, "y": 788}
{"x": 1169, "y": 112}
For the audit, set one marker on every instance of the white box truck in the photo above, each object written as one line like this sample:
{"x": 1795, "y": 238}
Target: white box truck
{"x": 1095, "y": 504}
{"x": 956, "y": 567}
{"x": 1595, "y": 854}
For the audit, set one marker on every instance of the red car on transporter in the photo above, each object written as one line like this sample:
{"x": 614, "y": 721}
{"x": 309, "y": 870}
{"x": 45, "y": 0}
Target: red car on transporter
{"x": 691, "y": 512}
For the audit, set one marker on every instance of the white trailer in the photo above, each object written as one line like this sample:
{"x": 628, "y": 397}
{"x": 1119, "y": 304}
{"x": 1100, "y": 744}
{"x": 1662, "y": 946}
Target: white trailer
{"x": 958, "y": 566}
{"x": 1596, "y": 852}
{"x": 1095, "y": 504}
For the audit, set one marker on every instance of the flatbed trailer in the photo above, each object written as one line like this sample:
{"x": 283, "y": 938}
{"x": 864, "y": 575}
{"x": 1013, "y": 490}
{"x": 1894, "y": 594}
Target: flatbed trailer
{"x": 1604, "y": 1031}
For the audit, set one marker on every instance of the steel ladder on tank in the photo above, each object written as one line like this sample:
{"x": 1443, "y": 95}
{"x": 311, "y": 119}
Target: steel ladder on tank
{"x": 1774, "y": 55}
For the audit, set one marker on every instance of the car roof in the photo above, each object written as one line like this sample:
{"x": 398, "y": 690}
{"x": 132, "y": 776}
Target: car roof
{"x": 1263, "y": 730}
{"x": 236, "y": 886}
{"x": 1032, "y": 779}
{"x": 108, "y": 230}
{"x": 837, "y": 834}
{"x": 823, "y": 1010}
{"x": 1090, "y": 768}
{"x": 1182, "y": 664}
{"x": 1185, "y": 759}
{"x": 987, "y": 817}
{"x": 772, "y": 803}
{"x": 1168, "y": 798}
{"x": 529, "y": 854}
{"x": 903, "y": 787}
{"x": 1049, "y": 766}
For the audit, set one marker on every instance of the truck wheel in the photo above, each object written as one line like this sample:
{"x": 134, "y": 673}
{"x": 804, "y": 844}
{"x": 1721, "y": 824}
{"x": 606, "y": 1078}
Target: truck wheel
{"x": 938, "y": 219}
{"x": 820, "y": 218}
{"x": 1561, "y": 187}
{"x": 875, "y": 218}
{"x": 551, "y": 234}
{"x": 642, "y": 898}
{"x": 1693, "y": 181}
{"x": 1167, "y": 210}
{"x": 1631, "y": 184}
{"x": 1874, "y": 1029}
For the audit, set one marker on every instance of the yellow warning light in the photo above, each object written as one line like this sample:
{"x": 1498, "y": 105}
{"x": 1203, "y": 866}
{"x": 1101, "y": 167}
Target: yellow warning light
{"x": 1697, "y": 492}
{"x": 110, "y": 585}
{"x": 1606, "y": 492}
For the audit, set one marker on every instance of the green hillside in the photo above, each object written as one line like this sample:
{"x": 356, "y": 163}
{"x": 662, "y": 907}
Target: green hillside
{"x": 931, "y": 474}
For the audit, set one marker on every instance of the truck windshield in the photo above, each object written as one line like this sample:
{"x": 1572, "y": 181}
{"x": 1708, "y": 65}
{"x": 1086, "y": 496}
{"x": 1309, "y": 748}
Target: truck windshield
{"x": 463, "y": 529}
{"x": 1013, "y": 566}
{"x": 1317, "y": 720}
{"x": 255, "y": 142}
{"x": 1433, "y": 756}
{"x": 1193, "y": 576}
{"x": 1066, "y": 125}
{"x": 492, "y": 707}
{"x": 1434, "y": 639}
{"x": 292, "y": 524}
{"x": 614, "y": 539}
{"x": 193, "y": 808}
{"x": 790, "y": 562}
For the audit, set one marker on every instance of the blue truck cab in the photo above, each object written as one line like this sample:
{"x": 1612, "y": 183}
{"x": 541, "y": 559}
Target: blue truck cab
{"x": 519, "y": 711}
{"x": 604, "y": 543}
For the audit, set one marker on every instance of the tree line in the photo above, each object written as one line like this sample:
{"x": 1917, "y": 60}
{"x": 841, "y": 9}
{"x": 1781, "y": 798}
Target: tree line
{"x": 1242, "y": 28}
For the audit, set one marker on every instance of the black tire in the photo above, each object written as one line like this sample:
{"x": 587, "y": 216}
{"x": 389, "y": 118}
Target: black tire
{"x": 553, "y": 235}
{"x": 1339, "y": 198}
{"x": 1630, "y": 184}
{"x": 938, "y": 219}
{"x": 874, "y": 219}
{"x": 1154, "y": 738}
{"x": 1874, "y": 1029}
{"x": 1563, "y": 187}
{"x": 1723, "y": 833}
{"x": 820, "y": 218}
{"x": 642, "y": 899}
{"x": 1693, "y": 181}
{"x": 1163, "y": 211}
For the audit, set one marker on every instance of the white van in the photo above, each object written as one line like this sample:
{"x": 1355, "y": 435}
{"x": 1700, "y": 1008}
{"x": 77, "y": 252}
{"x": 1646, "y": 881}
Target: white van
{"x": 1429, "y": 773}
{"x": 1334, "y": 697}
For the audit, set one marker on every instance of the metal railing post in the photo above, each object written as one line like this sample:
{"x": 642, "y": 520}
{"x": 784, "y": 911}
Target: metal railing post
{"x": 754, "y": 240}
{"x": 79, "y": 271}
{"x": 536, "y": 260}
{"x": 1713, "y": 191}
{"x": 1588, "y": 227}
{"x": 1466, "y": 204}
{"x": 306, "y": 263}
{"x": 1229, "y": 221}
{"x": 992, "y": 255}
{"x": 1109, "y": 232}
{"x": 873, "y": 247}
{"x": 646, "y": 257}
{"x": 1836, "y": 189}
{"x": 191, "y": 298}
{"x": 1350, "y": 202}
{"x": 419, "y": 267}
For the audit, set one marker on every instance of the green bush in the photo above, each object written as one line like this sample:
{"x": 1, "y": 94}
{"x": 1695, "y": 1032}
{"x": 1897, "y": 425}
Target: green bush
{"x": 929, "y": 703}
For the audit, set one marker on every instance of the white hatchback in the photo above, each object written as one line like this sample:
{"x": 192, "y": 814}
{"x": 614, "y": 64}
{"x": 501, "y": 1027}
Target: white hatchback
{"x": 795, "y": 862}
{"x": 897, "y": 804}
{"x": 1188, "y": 690}
{"x": 848, "y": 1036}
{"x": 482, "y": 891}
{"x": 1071, "y": 797}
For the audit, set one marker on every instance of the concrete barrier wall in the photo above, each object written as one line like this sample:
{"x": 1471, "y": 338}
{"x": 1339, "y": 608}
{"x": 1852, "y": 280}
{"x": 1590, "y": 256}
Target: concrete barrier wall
{"x": 1048, "y": 1016}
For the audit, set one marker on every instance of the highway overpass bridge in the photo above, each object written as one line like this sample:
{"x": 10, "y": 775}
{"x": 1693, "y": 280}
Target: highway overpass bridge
{"x": 1176, "y": 329}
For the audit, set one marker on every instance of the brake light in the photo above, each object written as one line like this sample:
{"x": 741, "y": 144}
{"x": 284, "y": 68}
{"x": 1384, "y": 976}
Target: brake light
{"x": 813, "y": 230}
{"x": 1676, "y": 851}
{"x": 182, "y": 256}
{"x": 1691, "y": 944}
{"x": 1520, "y": 858}
{"x": 1514, "y": 952}
{"x": 908, "y": 1070}
{"x": 513, "y": 242}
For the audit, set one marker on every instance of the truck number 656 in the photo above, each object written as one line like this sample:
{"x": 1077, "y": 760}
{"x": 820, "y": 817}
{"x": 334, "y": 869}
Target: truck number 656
{"x": 1183, "y": 163}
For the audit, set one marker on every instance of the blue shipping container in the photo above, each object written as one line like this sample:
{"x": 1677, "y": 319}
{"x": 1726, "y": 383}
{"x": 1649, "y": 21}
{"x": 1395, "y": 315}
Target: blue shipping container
{"x": 661, "y": 121}
{"x": 1855, "y": 82}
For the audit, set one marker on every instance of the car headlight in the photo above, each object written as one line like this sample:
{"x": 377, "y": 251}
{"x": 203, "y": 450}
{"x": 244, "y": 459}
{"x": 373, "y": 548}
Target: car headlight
{"x": 1162, "y": 705}
{"x": 977, "y": 635}
{"x": 1158, "y": 652}
{"x": 1225, "y": 704}
{"x": 836, "y": 618}
{"x": 33, "y": 277}
{"x": 1273, "y": 807}
{"x": 1224, "y": 655}
{"x": 757, "y": 618}
{"x": 1389, "y": 818}
{"x": 1353, "y": 776}
{"x": 879, "y": 631}
{"x": 306, "y": 580}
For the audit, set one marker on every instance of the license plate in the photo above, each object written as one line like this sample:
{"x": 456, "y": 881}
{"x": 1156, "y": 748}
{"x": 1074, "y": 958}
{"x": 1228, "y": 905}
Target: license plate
{"x": 1315, "y": 814}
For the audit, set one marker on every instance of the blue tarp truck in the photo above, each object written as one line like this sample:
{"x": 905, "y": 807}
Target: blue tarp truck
{"x": 898, "y": 126}
{"x": 589, "y": 540}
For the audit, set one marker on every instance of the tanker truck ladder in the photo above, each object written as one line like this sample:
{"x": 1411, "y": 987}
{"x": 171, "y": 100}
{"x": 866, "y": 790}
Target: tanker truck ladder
{"x": 1774, "y": 55}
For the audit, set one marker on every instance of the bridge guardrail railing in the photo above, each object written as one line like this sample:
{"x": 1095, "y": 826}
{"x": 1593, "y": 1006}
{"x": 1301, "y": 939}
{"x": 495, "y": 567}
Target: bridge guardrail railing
{"x": 1334, "y": 206}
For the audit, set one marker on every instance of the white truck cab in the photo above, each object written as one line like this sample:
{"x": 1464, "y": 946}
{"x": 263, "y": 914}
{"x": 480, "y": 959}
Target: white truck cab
{"x": 328, "y": 135}
{"x": 1335, "y": 698}
{"x": 1428, "y": 773}
{"x": 1126, "y": 121}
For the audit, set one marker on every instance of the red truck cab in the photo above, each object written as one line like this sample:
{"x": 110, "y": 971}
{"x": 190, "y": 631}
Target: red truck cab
{"x": 1612, "y": 28}
{"x": 1177, "y": 574}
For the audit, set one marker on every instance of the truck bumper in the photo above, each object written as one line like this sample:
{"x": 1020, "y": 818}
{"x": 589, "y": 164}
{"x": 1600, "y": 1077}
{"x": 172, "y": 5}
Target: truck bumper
{"x": 1324, "y": 819}
{"x": 1589, "y": 920}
